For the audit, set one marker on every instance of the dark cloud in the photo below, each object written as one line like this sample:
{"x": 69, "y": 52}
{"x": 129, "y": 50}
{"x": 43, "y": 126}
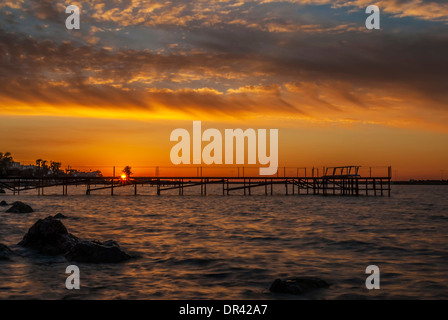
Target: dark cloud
{"x": 47, "y": 10}
{"x": 54, "y": 73}
{"x": 220, "y": 67}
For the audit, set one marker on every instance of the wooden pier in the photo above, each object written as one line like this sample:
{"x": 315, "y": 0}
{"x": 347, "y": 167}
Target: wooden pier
{"x": 343, "y": 181}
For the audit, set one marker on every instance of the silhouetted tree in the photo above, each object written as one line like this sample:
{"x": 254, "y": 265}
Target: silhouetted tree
{"x": 127, "y": 171}
{"x": 55, "y": 166}
{"x": 98, "y": 173}
{"x": 5, "y": 161}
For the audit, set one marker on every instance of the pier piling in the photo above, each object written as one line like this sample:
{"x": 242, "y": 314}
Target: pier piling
{"x": 343, "y": 181}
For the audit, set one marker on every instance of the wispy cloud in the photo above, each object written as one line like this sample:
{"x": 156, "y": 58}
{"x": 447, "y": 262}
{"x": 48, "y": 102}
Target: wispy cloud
{"x": 225, "y": 58}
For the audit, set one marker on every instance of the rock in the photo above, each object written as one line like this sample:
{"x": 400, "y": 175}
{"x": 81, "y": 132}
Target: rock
{"x": 59, "y": 216}
{"x": 20, "y": 207}
{"x": 297, "y": 285}
{"x": 49, "y": 236}
{"x": 5, "y": 252}
{"x": 3, "y": 203}
{"x": 97, "y": 252}
{"x": 2, "y": 191}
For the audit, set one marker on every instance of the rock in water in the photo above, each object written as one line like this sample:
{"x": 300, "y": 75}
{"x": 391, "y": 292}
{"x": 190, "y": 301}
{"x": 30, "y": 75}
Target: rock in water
{"x": 297, "y": 285}
{"x": 97, "y": 252}
{"x": 3, "y": 203}
{"x": 5, "y": 252}
{"x": 19, "y": 207}
{"x": 59, "y": 216}
{"x": 49, "y": 236}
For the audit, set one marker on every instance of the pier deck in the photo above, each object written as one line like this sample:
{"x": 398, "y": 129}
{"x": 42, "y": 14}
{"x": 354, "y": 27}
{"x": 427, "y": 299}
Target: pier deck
{"x": 344, "y": 185}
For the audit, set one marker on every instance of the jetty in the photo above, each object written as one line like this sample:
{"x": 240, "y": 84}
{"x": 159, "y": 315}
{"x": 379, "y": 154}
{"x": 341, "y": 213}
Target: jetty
{"x": 341, "y": 181}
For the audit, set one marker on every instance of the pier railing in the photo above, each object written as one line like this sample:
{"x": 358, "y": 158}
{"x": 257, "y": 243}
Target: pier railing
{"x": 345, "y": 181}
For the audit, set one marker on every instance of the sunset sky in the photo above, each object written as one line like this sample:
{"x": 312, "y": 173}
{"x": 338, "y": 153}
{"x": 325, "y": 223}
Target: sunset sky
{"x": 112, "y": 92}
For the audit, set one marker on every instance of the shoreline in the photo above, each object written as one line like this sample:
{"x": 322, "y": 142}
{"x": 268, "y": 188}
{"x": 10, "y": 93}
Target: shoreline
{"x": 422, "y": 182}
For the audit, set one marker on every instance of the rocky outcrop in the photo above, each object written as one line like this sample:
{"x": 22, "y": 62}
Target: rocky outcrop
{"x": 59, "y": 216}
{"x": 97, "y": 252}
{"x": 5, "y": 252}
{"x": 49, "y": 236}
{"x": 298, "y": 286}
{"x": 20, "y": 207}
{"x": 3, "y": 203}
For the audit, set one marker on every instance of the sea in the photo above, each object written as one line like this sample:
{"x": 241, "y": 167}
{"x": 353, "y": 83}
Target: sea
{"x": 234, "y": 247}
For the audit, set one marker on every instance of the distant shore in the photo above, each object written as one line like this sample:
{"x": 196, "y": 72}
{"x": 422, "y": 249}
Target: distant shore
{"x": 422, "y": 182}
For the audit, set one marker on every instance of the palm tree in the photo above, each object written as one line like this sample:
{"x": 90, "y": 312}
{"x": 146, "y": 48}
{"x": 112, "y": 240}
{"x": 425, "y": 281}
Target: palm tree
{"x": 5, "y": 160}
{"x": 55, "y": 166}
{"x": 44, "y": 167}
{"x": 127, "y": 171}
{"x": 5, "y": 156}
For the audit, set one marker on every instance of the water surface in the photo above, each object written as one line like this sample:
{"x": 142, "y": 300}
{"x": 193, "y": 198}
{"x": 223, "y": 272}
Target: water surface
{"x": 233, "y": 247}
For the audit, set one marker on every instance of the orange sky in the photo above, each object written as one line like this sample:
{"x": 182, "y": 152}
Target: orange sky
{"x": 102, "y": 143}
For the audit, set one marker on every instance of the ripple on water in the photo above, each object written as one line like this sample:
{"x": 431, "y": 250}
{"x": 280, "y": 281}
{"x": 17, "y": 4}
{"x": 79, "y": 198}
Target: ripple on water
{"x": 234, "y": 247}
